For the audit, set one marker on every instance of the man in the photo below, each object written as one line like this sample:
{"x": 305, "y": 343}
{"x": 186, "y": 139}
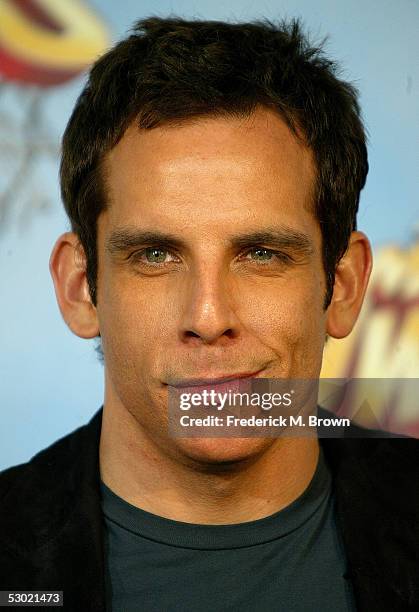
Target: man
{"x": 211, "y": 173}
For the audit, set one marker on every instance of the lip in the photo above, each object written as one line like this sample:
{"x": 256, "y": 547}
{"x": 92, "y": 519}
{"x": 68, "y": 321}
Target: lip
{"x": 219, "y": 380}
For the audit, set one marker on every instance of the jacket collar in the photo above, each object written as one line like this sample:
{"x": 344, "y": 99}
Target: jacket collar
{"x": 60, "y": 529}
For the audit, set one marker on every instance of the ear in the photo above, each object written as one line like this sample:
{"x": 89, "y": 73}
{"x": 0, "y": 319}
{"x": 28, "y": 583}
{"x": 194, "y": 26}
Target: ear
{"x": 351, "y": 280}
{"x": 68, "y": 269}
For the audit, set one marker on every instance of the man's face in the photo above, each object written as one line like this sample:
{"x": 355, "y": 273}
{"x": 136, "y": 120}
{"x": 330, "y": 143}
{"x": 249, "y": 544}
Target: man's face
{"x": 210, "y": 266}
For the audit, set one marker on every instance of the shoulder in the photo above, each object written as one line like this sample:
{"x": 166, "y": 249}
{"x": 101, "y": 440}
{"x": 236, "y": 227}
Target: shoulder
{"x": 377, "y": 508}
{"x": 44, "y": 468}
{"x": 373, "y": 460}
{"x": 371, "y": 463}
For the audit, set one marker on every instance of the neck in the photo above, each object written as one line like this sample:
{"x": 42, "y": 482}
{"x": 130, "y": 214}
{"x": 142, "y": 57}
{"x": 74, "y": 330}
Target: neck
{"x": 145, "y": 474}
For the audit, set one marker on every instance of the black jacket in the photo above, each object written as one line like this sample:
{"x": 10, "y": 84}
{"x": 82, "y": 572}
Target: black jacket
{"x": 51, "y": 526}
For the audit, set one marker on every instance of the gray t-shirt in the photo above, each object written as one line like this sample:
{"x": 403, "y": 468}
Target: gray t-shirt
{"x": 291, "y": 561}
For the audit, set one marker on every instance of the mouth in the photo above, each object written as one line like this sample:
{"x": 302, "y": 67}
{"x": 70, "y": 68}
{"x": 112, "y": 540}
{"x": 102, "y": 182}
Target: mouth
{"x": 219, "y": 383}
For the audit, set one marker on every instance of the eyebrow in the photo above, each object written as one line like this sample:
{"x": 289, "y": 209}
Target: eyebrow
{"x": 124, "y": 239}
{"x": 280, "y": 238}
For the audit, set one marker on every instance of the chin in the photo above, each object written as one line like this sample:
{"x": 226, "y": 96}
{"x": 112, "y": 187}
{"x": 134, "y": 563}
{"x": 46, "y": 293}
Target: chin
{"x": 222, "y": 452}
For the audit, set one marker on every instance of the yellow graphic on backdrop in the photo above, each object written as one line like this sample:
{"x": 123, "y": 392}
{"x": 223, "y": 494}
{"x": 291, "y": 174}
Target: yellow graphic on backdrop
{"x": 385, "y": 341}
{"x": 63, "y": 35}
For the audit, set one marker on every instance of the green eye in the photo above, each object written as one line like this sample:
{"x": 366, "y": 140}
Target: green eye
{"x": 155, "y": 255}
{"x": 261, "y": 254}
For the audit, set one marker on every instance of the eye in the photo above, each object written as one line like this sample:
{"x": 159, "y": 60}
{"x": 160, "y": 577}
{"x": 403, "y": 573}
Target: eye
{"x": 260, "y": 254}
{"x": 264, "y": 257}
{"x": 153, "y": 256}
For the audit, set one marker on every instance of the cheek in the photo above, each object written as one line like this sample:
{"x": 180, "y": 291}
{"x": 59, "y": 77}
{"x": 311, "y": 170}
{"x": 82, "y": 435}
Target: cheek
{"x": 288, "y": 317}
{"x": 134, "y": 320}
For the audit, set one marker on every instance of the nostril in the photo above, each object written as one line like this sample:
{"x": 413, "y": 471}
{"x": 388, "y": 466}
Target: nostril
{"x": 208, "y": 337}
{"x": 191, "y": 334}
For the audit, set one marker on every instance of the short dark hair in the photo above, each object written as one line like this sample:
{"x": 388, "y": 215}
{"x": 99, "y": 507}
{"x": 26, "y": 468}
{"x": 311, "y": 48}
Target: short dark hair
{"x": 174, "y": 69}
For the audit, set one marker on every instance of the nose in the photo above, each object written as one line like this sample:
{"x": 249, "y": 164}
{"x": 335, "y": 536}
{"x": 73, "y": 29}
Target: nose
{"x": 208, "y": 315}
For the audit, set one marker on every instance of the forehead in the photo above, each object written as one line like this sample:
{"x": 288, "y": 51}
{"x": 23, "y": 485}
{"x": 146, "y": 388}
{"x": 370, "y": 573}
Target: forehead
{"x": 210, "y": 170}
